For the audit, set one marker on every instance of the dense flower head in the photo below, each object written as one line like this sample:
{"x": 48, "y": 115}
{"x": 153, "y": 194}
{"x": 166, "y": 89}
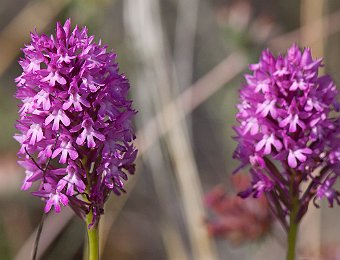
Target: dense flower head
{"x": 289, "y": 124}
{"x": 75, "y": 120}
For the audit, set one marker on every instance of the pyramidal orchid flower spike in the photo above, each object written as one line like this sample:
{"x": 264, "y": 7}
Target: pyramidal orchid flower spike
{"x": 289, "y": 135}
{"x": 75, "y": 127}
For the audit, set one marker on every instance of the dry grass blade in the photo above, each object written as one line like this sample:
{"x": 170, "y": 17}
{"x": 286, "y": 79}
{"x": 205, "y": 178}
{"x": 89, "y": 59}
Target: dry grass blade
{"x": 186, "y": 23}
{"x": 53, "y": 225}
{"x": 17, "y": 31}
{"x": 283, "y": 41}
{"x": 193, "y": 96}
{"x": 152, "y": 51}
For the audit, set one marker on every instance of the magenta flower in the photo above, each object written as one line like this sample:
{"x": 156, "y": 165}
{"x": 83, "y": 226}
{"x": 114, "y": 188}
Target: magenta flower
{"x": 286, "y": 116}
{"x": 289, "y": 128}
{"x": 298, "y": 155}
{"x": 75, "y": 121}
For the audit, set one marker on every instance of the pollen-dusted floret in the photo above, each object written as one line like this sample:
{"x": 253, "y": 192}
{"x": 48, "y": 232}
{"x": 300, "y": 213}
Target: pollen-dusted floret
{"x": 289, "y": 122}
{"x": 75, "y": 120}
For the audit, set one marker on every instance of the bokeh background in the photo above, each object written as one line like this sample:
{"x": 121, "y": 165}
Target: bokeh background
{"x": 185, "y": 61}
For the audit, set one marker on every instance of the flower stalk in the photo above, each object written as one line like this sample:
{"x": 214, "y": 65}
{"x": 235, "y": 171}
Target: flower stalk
{"x": 292, "y": 236}
{"x": 93, "y": 237}
{"x": 293, "y": 221}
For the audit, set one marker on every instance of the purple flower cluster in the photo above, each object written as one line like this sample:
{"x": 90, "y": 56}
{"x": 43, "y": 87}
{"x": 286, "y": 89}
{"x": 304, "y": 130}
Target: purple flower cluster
{"x": 289, "y": 126}
{"x": 75, "y": 121}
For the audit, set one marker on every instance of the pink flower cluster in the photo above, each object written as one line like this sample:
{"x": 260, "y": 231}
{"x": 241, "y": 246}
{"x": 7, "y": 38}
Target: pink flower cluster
{"x": 75, "y": 121}
{"x": 289, "y": 125}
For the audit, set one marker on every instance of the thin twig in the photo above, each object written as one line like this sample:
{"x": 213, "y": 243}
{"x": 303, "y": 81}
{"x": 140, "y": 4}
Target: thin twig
{"x": 51, "y": 231}
{"x": 37, "y": 238}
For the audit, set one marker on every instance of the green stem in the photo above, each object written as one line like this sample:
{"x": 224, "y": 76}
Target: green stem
{"x": 293, "y": 222}
{"x": 93, "y": 238}
{"x": 292, "y": 235}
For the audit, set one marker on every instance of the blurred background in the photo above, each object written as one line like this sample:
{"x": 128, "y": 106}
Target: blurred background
{"x": 185, "y": 61}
